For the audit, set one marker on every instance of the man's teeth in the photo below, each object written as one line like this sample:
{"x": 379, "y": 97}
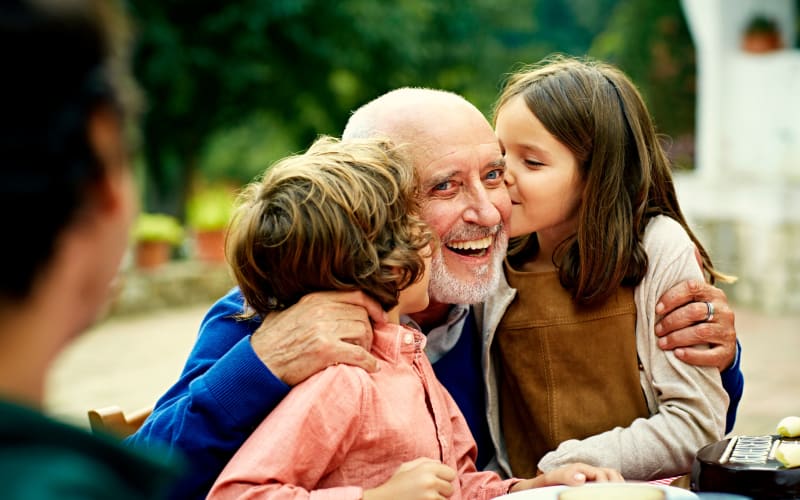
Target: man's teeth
{"x": 480, "y": 244}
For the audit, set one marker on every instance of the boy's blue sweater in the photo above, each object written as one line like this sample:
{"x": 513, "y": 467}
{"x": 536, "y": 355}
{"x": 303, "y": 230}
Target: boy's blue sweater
{"x": 225, "y": 391}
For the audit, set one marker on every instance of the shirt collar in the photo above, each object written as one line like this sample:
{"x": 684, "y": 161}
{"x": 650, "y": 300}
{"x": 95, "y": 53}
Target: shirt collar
{"x": 392, "y": 341}
{"x": 444, "y": 337}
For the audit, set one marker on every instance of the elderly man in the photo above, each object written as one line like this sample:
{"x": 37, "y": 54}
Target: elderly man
{"x": 238, "y": 371}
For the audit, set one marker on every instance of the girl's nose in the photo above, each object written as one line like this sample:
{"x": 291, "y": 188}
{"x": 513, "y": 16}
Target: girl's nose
{"x": 508, "y": 177}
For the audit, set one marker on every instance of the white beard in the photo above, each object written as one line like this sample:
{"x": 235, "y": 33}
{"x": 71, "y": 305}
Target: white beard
{"x": 447, "y": 288}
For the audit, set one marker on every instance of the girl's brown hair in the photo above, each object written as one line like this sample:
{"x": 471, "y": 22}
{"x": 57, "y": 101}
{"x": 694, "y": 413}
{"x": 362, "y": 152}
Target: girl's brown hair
{"x": 597, "y": 112}
{"x": 341, "y": 216}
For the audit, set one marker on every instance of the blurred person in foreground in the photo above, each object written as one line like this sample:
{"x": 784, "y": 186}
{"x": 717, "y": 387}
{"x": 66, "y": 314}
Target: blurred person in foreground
{"x": 239, "y": 370}
{"x": 67, "y": 196}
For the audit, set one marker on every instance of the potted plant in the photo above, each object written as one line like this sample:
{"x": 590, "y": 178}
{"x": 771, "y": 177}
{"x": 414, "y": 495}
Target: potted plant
{"x": 761, "y": 35}
{"x": 208, "y": 211}
{"x": 154, "y": 236}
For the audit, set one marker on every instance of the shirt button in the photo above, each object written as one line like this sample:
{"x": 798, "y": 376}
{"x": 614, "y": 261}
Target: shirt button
{"x": 408, "y": 338}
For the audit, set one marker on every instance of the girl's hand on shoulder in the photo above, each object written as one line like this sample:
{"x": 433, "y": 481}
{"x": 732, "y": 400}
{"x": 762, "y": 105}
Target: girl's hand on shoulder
{"x": 420, "y": 479}
{"x": 571, "y": 475}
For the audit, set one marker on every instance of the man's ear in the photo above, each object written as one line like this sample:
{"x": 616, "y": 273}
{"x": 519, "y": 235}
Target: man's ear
{"x": 105, "y": 138}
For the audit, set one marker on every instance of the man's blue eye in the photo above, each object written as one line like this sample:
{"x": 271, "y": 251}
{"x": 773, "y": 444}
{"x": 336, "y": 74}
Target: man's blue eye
{"x": 494, "y": 174}
{"x": 442, "y": 186}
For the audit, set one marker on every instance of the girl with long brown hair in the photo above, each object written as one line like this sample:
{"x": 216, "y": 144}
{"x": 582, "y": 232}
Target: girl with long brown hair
{"x": 597, "y": 237}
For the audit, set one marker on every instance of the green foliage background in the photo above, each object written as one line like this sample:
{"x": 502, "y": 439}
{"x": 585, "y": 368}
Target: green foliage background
{"x": 233, "y": 86}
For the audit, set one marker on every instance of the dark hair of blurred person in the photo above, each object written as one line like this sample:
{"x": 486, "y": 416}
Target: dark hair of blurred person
{"x": 67, "y": 200}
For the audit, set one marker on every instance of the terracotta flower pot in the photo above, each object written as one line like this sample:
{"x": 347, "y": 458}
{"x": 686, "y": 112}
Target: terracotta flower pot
{"x": 152, "y": 254}
{"x": 759, "y": 43}
{"x": 210, "y": 245}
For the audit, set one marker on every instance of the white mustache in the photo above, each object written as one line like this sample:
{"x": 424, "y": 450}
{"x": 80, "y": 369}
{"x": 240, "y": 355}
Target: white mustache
{"x": 472, "y": 232}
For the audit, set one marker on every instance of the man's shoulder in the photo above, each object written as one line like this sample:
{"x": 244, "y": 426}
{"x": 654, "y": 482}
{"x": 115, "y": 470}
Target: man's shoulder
{"x": 227, "y": 314}
{"x": 233, "y": 300}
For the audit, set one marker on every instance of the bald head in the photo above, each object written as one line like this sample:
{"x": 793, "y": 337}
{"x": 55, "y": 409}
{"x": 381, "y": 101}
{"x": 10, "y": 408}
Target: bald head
{"x": 420, "y": 117}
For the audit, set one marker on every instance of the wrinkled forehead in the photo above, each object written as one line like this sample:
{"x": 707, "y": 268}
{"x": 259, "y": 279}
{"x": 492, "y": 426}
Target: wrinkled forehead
{"x": 439, "y": 128}
{"x": 435, "y": 160}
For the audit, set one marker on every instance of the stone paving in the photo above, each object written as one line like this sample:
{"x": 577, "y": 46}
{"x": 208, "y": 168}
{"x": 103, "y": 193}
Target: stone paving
{"x": 130, "y": 361}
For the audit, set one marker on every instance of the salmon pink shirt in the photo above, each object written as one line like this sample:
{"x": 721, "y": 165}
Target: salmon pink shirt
{"x": 344, "y": 430}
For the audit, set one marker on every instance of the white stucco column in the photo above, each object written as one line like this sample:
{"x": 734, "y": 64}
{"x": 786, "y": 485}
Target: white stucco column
{"x": 744, "y": 196}
{"x": 704, "y": 18}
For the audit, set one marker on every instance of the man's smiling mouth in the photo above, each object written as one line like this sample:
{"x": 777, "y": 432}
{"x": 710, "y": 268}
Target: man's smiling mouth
{"x": 471, "y": 248}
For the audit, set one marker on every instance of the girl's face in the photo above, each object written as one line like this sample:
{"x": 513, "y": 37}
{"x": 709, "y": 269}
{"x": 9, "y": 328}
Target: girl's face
{"x": 542, "y": 175}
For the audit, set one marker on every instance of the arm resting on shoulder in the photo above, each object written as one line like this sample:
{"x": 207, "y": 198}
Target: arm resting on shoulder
{"x": 697, "y": 340}
{"x": 239, "y": 370}
{"x": 223, "y": 393}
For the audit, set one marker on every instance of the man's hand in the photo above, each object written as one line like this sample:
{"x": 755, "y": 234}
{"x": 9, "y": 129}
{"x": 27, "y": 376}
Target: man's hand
{"x": 322, "y": 329}
{"x": 420, "y": 479}
{"x": 683, "y": 325}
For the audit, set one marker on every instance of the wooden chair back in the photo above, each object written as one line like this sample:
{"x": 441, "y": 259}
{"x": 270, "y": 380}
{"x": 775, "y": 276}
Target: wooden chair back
{"x": 112, "y": 420}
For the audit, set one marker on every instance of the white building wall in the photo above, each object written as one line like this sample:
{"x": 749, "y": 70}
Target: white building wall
{"x": 744, "y": 196}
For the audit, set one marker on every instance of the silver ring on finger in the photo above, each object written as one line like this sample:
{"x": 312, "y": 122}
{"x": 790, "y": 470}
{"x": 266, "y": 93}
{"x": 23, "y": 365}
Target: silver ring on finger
{"x": 710, "y": 311}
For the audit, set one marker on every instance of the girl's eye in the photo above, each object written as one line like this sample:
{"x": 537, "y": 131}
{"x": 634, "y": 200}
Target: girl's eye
{"x": 534, "y": 163}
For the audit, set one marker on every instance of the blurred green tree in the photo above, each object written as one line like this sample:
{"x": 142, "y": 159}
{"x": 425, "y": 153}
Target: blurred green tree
{"x": 651, "y": 42}
{"x": 232, "y": 86}
{"x": 288, "y": 70}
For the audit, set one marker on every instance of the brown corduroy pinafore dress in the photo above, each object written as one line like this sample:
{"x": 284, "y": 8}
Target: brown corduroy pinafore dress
{"x": 564, "y": 371}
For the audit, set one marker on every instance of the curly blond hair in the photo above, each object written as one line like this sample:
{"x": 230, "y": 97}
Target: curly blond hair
{"x": 341, "y": 216}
